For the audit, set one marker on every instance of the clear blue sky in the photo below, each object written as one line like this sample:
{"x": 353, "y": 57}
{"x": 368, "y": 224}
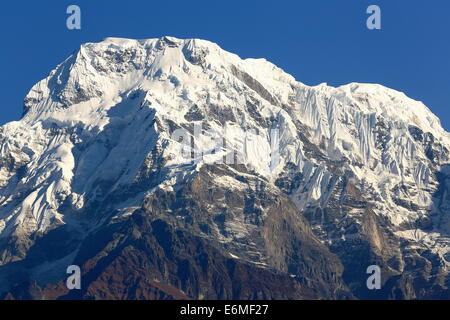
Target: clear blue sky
{"x": 315, "y": 41}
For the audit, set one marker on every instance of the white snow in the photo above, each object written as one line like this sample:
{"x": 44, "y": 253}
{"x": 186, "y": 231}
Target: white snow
{"x": 95, "y": 119}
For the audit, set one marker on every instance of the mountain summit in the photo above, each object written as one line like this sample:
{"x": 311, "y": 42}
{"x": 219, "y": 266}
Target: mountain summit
{"x": 117, "y": 166}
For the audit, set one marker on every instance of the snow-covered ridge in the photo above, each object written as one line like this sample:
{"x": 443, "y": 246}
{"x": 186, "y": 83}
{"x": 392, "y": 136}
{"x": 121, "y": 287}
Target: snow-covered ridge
{"x": 97, "y": 118}
{"x": 104, "y": 69}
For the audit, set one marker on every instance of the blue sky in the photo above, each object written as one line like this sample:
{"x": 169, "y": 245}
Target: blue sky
{"x": 316, "y": 41}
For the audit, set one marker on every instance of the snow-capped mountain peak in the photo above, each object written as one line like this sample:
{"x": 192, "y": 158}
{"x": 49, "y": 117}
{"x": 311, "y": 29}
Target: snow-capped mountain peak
{"x": 103, "y": 121}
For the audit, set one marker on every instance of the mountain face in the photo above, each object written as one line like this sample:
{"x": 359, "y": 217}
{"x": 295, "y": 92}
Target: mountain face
{"x": 117, "y": 166}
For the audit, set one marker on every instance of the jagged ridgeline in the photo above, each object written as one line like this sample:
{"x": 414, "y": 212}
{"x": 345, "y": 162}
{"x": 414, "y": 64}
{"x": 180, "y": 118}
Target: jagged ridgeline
{"x": 93, "y": 176}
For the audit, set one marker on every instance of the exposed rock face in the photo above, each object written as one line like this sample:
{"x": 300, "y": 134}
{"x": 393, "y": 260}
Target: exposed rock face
{"x": 323, "y": 182}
